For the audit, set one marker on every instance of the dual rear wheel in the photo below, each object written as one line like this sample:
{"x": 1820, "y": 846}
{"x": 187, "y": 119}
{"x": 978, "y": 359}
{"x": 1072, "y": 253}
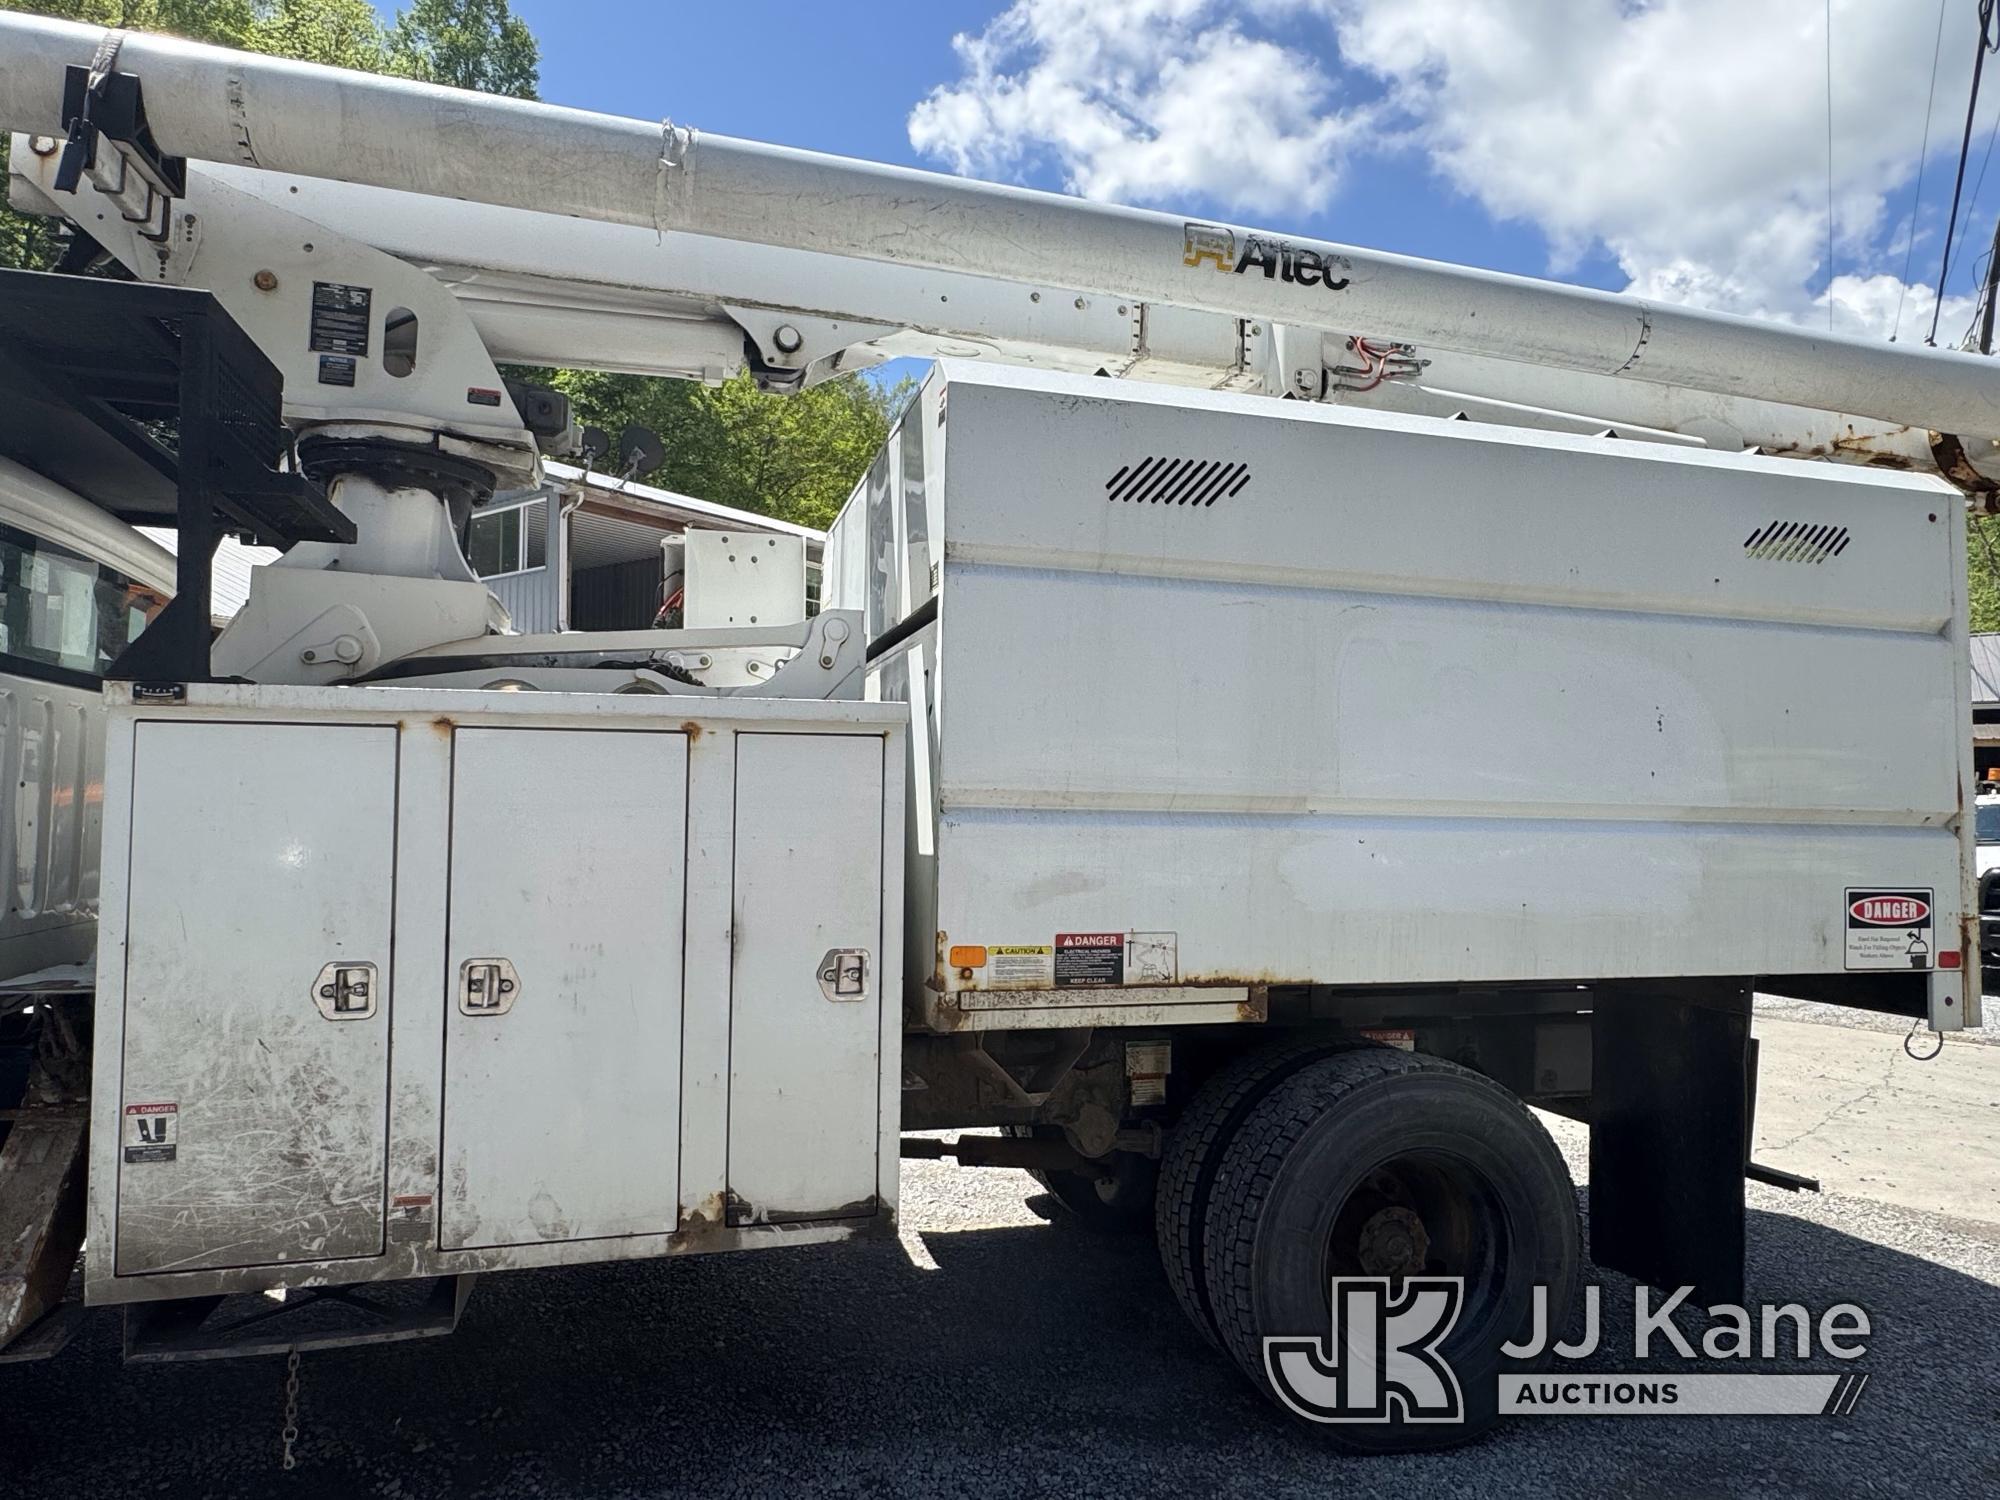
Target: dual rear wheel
{"x": 1303, "y": 1164}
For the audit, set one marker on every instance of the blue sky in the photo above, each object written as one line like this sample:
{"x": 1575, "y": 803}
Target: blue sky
{"x": 1675, "y": 147}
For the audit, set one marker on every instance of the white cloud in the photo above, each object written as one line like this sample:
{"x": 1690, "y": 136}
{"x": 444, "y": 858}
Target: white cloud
{"x": 1874, "y": 305}
{"x": 1687, "y": 138}
{"x": 1142, "y": 101}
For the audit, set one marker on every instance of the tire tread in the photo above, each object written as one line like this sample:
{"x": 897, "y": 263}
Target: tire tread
{"x": 1194, "y": 1149}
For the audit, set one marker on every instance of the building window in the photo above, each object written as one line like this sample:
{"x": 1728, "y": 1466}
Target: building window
{"x": 513, "y": 540}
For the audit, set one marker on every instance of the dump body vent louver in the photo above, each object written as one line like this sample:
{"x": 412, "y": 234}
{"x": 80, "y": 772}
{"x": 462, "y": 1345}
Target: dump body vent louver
{"x": 1796, "y": 541}
{"x": 1176, "y": 481}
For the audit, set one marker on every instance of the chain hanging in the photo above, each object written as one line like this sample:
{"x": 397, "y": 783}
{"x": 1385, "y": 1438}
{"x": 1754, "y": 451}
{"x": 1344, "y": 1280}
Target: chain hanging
{"x": 289, "y": 1433}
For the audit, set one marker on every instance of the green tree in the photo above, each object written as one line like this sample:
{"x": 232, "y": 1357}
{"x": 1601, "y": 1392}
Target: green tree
{"x": 1982, "y": 568}
{"x": 796, "y": 457}
{"x": 224, "y": 22}
{"x": 466, "y": 43}
{"x": 34, "y": 242}
{"x": 340, "y": 33}
{"x": 793, "y": 457}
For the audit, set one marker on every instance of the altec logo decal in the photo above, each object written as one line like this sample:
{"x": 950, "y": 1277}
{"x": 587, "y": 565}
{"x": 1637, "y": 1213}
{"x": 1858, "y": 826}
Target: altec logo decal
{"x": 1890, "y": 911}
{"x": 1211, "y": 245}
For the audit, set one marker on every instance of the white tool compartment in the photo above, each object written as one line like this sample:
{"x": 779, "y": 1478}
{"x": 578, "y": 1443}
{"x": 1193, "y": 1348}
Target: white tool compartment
{"x": 252, "y": 1103}
{"x": 802, "y": 1067}
{"x": 564, "y": 953}
{"x": 398, "y": 982}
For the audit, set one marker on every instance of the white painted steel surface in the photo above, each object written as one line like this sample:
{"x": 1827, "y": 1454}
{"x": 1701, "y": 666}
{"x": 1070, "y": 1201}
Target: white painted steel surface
{"x": 805, "y": 1068}
{"x": 1423, "y": 701}
{"x": 51, "y": 761}
{"x": 272, "y": 113}
{"x": 549, "y": 289}
{"x": 568, "y": 858}
{"x": 736, "y": 579}
{"x": 276, "y": 1144}
{"x": 581, "y": 852}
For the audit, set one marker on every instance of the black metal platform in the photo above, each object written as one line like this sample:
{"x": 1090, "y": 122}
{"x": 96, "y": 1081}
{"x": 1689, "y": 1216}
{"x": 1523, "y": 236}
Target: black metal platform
{"x": 152, "y": 403}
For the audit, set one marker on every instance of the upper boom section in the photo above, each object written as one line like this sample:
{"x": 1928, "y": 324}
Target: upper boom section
{"x": 218, "y": 105}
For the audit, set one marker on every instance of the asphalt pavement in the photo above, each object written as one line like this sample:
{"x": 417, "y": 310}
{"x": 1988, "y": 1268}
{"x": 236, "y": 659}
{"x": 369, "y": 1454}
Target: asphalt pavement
{"x": 1000, "y": 1350}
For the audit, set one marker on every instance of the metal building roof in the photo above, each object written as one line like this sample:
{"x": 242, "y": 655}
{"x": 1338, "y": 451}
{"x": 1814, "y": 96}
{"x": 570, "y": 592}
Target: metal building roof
{"x": 670, "y": 510}
{"x": 618, "y": 519}
{"x": 1986, "y": 670}
{"x": 229, "y": 583}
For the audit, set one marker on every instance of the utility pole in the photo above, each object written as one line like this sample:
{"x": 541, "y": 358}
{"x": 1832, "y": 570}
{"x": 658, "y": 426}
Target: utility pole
{"x": 1992, "y": 280}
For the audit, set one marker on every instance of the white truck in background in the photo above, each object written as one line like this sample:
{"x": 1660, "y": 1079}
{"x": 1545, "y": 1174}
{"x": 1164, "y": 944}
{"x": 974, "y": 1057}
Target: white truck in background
{"x": 1410, "y": 694}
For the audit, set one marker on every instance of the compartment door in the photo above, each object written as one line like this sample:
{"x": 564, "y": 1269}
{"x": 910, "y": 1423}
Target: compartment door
{"x": 563, "y": 1029}
{"x": 254, "y": 1105}
{"x": 805, "y": 1013}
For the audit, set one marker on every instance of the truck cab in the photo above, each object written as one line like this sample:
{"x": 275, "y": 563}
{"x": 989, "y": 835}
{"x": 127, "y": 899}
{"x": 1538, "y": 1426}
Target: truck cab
{"x": 76, "y": 586}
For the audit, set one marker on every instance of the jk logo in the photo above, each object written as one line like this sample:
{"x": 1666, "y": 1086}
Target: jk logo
{"x": 1379, "y": 1363}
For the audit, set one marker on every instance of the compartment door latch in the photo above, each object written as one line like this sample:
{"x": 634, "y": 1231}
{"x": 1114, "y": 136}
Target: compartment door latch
{"x": 345, "y": 992}
{"x": 487, "y": 987}
{"x": 843, "y": 975}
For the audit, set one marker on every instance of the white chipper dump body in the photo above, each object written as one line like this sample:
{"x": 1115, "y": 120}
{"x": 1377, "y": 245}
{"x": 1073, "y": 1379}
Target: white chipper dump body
{"x": 1411, "y": 695}
{"x": 1285, "y": 694}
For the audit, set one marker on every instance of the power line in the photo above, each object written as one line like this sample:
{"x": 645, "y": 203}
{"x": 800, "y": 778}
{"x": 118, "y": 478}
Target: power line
{"x": 1986, "y": 44}
{"x": 1972, "y": 213}
{"x": 1979, "y": 182}
{"x": 1923, "y": 154}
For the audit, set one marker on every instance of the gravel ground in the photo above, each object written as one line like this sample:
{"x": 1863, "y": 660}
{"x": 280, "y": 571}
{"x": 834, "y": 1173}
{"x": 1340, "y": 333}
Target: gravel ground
{"x": 997, "y": 1350}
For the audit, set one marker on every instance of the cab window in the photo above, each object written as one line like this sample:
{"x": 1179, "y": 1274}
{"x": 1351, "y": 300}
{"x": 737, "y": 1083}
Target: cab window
{"x": 1986, "y": 818}
{"x": 62, "y": 615}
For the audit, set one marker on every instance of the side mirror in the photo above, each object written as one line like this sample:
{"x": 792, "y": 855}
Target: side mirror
{"x": 642, "y": 449}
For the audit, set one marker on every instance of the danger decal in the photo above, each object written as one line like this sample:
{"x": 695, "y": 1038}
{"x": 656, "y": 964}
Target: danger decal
{"x": 151, "y": 1132}
{"x": 1087, "y": 959}
{"x": 1890, "y": 928}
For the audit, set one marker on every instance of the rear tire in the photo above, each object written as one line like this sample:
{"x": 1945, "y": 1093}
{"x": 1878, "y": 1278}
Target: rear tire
{"x": 1379, "y": 1162}
{"x": 1194, "y": 1151}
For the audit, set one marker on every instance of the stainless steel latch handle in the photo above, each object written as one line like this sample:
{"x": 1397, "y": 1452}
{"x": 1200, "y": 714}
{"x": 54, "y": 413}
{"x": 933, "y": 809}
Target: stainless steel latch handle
{"x": 487, "y": 987}
{"x": 843, "y": 975}
{"x": 345, "y": 992}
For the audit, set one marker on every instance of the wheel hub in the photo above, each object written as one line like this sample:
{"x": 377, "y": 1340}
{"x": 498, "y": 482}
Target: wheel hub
{"x": 1393, "y": 1242}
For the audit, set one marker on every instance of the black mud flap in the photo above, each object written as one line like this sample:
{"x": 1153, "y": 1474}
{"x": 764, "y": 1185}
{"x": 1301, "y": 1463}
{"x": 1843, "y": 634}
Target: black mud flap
{"x": 1670, "y": 1135}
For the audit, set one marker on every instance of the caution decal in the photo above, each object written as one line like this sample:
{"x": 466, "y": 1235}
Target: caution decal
{"x": 1027, "y": 966}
